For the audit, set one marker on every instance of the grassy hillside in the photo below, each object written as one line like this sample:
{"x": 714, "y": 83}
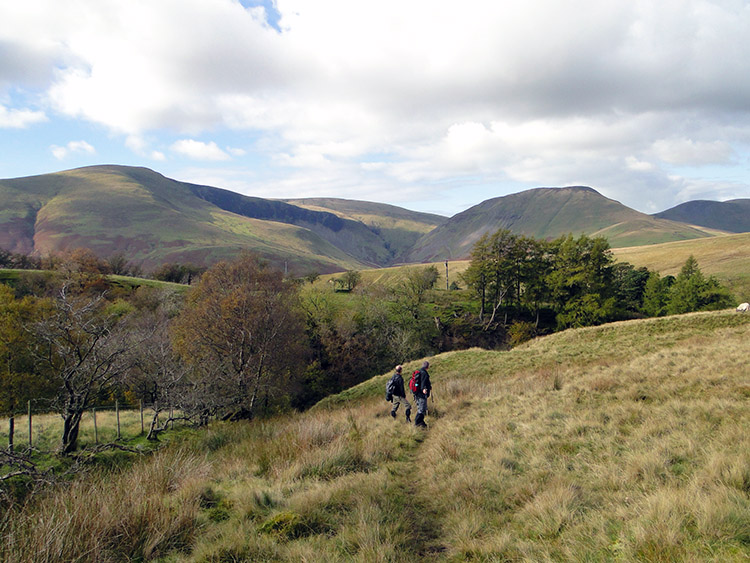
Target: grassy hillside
{"x": 548, "y": 213}
{"x": 153, "y": 219}
{"x": 626, "y": 442}
{"x": 399, "y": 227}
{"x": 725, "y": 257}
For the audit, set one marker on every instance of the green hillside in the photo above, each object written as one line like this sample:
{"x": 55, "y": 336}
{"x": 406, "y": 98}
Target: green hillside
{"x": 153, "y": 219}
{"x": 625, "y": 442}
{"x": 399, "y": 227}
{"x": 548, "y": 213}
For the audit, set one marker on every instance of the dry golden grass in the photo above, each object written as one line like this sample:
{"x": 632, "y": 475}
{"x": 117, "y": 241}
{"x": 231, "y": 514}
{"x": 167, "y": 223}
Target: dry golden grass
{"x": 627, "y": 442}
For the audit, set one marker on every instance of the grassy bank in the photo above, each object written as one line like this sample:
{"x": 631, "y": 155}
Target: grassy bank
{"x": 626, "y": 442}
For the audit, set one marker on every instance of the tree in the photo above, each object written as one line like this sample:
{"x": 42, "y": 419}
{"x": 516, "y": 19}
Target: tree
{"x": 692, "y": 291}
{"x": 655, "y": 294}
{"x": 19, "y": 382}
{"x": 581, "y": 281}
{"x": 81, "y": 346}
{"x": 348, "y": 281}
{"x": 157, "y": 374}
{"x": 242, "y": 327}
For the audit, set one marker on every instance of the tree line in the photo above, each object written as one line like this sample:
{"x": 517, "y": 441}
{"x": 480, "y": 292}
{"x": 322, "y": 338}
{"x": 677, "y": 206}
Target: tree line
{"x": 244, "y": 341}
{"x": 578, "y": 282}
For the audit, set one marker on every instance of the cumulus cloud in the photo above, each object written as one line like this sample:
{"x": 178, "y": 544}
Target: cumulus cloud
{"x": 199, "y": 150}
{"x": 73, "y": 147}
{"x": 401, "y": 97}
{"x": 19, "y": 118}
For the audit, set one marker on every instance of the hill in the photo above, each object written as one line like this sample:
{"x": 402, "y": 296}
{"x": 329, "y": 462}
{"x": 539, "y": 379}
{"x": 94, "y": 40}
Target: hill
{"x": 628, "y": 442}
{"x": 399, "y": 227}
{"x": 153, "y": 219}
{"x": 732, "y": 216}
{"x": 548, "y": 213}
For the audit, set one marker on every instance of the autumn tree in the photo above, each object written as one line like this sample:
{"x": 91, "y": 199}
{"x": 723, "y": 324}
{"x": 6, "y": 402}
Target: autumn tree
{"x": 19, "y": 382}
{"x": 242, "y": 326}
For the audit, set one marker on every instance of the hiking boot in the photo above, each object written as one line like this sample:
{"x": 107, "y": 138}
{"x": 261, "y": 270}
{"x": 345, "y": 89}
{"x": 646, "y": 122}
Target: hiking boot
{"x": 393, "y": 414}
{"x": 408, "y": 416}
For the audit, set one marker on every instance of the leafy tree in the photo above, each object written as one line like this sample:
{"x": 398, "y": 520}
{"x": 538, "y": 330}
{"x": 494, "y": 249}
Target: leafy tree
{"x": 629, "y": 286}
{"x": 241, "y": 328}
{"x": 656, "y": 294}
{"x": 581, "y": 281}
{"x": 118, "y": 263}
{"x": 348, "y": 281}
{"x": 477, "y": 275}
{"x": 692, "y": 291}
{"x": 19, "y": 382}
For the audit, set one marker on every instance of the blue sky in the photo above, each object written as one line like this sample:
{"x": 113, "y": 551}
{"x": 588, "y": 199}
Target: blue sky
{"x": 427, "y": 105}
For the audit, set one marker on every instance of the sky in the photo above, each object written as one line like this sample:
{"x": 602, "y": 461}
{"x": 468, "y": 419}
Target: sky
{"x": 430, "y": 105}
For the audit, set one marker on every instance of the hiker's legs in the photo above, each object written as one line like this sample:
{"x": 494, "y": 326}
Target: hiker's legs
{"x": 421, "y": 401}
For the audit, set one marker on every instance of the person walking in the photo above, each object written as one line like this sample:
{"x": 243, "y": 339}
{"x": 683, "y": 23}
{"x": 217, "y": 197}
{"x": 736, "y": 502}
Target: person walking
{"x": 396, "y": 388}
{"x": 421, "y": 390}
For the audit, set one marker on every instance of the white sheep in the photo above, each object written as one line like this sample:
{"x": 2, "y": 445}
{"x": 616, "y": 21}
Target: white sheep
{"x": 744, "y": 307}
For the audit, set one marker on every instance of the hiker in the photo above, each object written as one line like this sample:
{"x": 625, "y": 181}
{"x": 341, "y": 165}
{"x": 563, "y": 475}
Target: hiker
{"x": 395, "y": 388}
{"x": 421, "y": 390}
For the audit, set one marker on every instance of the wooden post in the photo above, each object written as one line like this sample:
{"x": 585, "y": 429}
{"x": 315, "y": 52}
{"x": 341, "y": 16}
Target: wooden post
{"x": 142, "y": 427}
{"x": 117, "y": 415}
{"x": 171, "y": 418}
{"x": 31, "y": 443}
{"x": 447, "y": 287}
{"x": 11, "y": 430}
{"x": 96, "y": 430}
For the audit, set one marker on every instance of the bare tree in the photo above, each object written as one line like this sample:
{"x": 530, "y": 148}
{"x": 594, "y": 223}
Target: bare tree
{"x": 83, "y": 348}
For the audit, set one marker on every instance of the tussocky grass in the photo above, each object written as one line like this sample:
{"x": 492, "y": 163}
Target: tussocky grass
{"x": 626, "y": 442}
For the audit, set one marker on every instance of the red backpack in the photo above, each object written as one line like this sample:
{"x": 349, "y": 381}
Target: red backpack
{"x": 413, "y": 385}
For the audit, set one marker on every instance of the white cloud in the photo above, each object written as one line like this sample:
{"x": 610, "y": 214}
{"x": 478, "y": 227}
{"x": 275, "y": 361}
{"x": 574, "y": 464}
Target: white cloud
{"x": 73, "y": 147}
{"x": 396, "y": 97}
{"x": 19, "y": 118}
{"x": 199, "y": 150}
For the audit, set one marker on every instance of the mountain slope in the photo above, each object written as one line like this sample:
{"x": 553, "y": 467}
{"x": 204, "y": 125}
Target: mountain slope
{"x": 732, "y": 216}
{"x": 548, "y": 213}
{"x": 399, "y": 228}
{"x": 155, "y": 219}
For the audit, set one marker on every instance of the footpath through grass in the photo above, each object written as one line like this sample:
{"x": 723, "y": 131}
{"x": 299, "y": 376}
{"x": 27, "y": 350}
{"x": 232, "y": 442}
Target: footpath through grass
{"x": 627, "y": 442}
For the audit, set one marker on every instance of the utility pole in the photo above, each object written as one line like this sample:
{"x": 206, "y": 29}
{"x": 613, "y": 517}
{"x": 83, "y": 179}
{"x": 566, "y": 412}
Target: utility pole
{"x": 447, "y": 287}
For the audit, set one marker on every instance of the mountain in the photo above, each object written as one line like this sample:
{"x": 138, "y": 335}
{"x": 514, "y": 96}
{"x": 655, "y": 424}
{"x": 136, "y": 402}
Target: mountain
{"x": 400, "y": 228}
{"x": 732, "y": 216}
{"x": 548, "y": 213}
{"x": 154, "y": 219}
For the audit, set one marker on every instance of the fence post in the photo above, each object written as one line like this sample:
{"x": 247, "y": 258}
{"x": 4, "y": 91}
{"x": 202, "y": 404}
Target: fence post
{"x": 96, "y": 430}
{"x": 142, "y": 428}
{"x": 117, "y": 414}
{"x": 11, "y": 430}
{"x": 171, "y": 418}
{"x": 31, "y": 444}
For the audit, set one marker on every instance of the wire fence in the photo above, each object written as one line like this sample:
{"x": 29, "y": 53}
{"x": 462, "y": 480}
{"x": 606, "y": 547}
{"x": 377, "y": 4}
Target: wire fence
{"x": 41, "y": 430}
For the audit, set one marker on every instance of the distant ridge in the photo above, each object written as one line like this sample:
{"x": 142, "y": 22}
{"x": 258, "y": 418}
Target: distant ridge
{"x": 549, "y": 213}
{"x": 153, "y": 219}
{"x": 732, "y": 216}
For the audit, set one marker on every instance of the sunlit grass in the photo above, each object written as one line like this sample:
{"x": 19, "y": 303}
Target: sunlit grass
{"x": 627, "y": 442}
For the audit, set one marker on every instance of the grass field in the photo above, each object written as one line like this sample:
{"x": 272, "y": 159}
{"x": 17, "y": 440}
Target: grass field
{"x": 625, "y": 442}
{"x": 47, "y": 428}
